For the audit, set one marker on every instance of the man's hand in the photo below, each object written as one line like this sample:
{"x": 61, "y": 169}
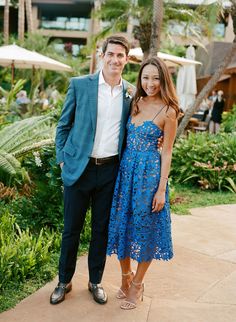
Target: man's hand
{"x": 160, "y": 143}
{"x": 61, "y": 164}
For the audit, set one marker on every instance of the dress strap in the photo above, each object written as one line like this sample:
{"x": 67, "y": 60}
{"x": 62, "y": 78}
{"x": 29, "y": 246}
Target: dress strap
{"x": 158, "y": 112}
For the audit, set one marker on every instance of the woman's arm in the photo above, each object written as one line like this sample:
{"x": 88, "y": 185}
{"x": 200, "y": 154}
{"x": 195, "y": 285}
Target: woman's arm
{"x": 170, "y": 128}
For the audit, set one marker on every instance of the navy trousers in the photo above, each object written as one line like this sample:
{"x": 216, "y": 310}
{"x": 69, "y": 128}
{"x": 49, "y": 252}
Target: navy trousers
{"x": 95, "y": 187}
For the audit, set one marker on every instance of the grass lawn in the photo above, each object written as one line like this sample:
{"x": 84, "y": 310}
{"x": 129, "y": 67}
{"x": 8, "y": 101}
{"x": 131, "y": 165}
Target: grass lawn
{"x": 187, "y": 197}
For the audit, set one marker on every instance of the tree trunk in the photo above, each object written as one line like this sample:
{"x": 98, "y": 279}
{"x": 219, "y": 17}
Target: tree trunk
{"x": 157, "y": 19}
{"x": 21, "y": 20}
{"x": 6, "y": 23}
{"x": 142, "y": 34}
{"x": 30, "y": 25}
{"x": 207, "y": 88}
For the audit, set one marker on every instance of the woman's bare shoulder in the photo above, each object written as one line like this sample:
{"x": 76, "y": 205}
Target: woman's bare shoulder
{"x": 171, "y": 113}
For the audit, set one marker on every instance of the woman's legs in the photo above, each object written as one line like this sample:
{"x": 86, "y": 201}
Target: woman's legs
{"x": 127, "y": 276}
{"x": 217, "y": 127}
{"x": 136, "y": 288}
{"x": 211, "y": 127}
{"x": 125, "y": 265}
{"x": 141, "y": 270}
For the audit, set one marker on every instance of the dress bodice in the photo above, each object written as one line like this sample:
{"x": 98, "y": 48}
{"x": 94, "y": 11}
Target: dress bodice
{"x": 143, "y": 137}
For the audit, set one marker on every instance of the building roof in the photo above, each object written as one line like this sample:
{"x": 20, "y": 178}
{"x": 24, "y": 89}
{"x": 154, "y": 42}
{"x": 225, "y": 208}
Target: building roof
{"x": 212, "y": 56}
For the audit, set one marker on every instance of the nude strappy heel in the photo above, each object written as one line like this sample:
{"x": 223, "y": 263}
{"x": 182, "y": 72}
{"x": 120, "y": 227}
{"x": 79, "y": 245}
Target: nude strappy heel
{"x": 128, "y": 305}
{"x": 121, "y": 294}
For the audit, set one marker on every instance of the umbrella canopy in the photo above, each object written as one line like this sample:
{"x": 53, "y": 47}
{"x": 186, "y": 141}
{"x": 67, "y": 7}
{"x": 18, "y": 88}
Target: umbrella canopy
{"x": 136, "y": 55}
{"x": 186, "y": 85}
{"x": 18, "y": 57}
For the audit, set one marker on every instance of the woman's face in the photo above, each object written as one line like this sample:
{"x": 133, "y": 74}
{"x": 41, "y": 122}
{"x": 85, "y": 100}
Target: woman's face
{"x": 150, "y": 80}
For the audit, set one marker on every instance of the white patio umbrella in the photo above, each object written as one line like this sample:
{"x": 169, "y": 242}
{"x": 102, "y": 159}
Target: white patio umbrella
{"x": 136, "y": 56}
{"x": 17, "y": 57}
{"x": 186, "y": 85}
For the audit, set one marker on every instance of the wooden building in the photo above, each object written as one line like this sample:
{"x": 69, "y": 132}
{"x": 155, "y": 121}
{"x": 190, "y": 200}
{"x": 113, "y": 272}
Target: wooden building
{"x": 211, "y": 58}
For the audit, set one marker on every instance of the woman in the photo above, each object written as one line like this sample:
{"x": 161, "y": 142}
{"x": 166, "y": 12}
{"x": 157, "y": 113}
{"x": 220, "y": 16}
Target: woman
{"x": 139, "y": 226}
{"x": 216, "y": 116}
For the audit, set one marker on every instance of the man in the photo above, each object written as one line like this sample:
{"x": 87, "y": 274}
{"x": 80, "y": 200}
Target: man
{"x": 89, "y": 140}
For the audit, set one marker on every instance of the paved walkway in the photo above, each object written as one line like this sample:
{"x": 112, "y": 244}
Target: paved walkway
{"x": 198, "y": 285}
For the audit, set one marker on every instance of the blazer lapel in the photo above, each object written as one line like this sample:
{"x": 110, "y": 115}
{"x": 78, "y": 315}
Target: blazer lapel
{"x": 93, "y": 98}
{"x": 126, "y": 103}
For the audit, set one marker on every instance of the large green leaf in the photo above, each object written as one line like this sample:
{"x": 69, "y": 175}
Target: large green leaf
{"x": 8, "y": 163}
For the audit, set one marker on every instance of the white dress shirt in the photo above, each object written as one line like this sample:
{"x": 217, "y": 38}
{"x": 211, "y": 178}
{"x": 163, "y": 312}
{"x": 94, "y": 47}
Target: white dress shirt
{"x": 110, "y": 103}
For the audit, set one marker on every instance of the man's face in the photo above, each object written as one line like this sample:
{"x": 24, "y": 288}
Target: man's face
{"x": 114, "y": 60}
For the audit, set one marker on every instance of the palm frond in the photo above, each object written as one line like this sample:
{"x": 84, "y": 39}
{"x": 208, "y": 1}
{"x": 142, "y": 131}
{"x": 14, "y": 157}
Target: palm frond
{"x": 23, "y": 137}
{"x": 35, "y": 146}
{"x": 8, "y": 163}
{"x": 33, "y": 137}
{"x": 13, "y": 135}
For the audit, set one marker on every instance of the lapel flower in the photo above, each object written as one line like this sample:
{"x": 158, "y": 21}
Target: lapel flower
{"x": 129, "y": 92}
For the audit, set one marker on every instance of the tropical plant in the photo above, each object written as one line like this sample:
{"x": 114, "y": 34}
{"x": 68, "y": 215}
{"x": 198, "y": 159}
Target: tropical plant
{"x": 11, "y": 94}
{"x": 23, "y": 137}
{"x": 43, "y": 78}
{"x": 23, "y": 254}
{"x": 229, "y": 121}
{"x": 117, "y": 12}
{"x": 206, "y": 160}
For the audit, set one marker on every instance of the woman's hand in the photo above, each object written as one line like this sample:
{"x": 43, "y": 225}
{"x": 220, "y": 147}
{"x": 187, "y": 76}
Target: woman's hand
{"x": 158, "y": 201}
{"x": 61, "y": 164}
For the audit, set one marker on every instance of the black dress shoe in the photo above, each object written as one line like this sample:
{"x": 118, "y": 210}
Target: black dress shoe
{"x": 59, "y": 293}
{"x": 99, "y": 295}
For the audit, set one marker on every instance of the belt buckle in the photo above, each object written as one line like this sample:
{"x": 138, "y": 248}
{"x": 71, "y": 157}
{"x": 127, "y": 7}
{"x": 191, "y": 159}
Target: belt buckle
{"x": 97, "y": 162}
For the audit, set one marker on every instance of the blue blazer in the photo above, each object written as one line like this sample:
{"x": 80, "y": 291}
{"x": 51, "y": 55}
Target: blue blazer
{"x": 77, "y": 126}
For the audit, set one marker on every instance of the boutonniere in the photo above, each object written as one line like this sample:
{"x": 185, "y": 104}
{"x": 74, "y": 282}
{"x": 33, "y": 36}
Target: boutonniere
{"x": 129, "y": 92}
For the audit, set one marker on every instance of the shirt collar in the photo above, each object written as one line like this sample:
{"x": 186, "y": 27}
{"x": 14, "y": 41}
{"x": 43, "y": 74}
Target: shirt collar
{"x": 101, "y": 80}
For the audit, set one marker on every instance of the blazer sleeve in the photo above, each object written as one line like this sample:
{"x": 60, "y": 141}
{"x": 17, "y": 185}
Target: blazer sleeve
{"x": 65, "y": 122}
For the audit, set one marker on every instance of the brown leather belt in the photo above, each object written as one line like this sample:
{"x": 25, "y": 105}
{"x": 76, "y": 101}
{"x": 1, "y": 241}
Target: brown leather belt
{"x": 101, "y": 161}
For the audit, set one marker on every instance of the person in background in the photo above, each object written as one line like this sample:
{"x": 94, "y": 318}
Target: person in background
{"x": 22, "y": 101}
{"x": 216, "y": 115}
{"x": 212, "y": 98}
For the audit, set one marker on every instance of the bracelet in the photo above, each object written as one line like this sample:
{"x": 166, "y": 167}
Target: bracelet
{"x": 164, "y": 178}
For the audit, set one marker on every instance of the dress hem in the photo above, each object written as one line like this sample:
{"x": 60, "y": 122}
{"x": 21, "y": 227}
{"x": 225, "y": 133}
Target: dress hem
{"x": 166, "y": 259}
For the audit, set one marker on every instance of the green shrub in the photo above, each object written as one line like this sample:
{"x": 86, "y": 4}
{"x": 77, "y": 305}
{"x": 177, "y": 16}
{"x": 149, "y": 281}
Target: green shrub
{"x": 229, "y": 121}
{"x": 42, "y": 205}
{"x": 22, "y": 254}
{"x": 206, "y": 160}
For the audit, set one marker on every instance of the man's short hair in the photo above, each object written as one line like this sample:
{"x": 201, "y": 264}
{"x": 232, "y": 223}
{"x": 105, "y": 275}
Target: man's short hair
{"x": 118, "y": 40}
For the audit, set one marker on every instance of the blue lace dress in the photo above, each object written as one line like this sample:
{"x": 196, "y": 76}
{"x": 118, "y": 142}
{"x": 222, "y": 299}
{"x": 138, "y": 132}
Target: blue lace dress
{"x": 135, "y": 231}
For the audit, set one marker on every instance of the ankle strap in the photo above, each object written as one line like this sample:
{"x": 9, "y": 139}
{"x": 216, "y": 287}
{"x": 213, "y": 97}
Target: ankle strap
{"x": 127, "y": 274}
{"x": 136, "y": 284}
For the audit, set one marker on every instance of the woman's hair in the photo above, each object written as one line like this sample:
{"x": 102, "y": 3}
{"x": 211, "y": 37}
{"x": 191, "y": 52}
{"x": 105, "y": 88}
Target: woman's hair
{"x": 167, "y": 89}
